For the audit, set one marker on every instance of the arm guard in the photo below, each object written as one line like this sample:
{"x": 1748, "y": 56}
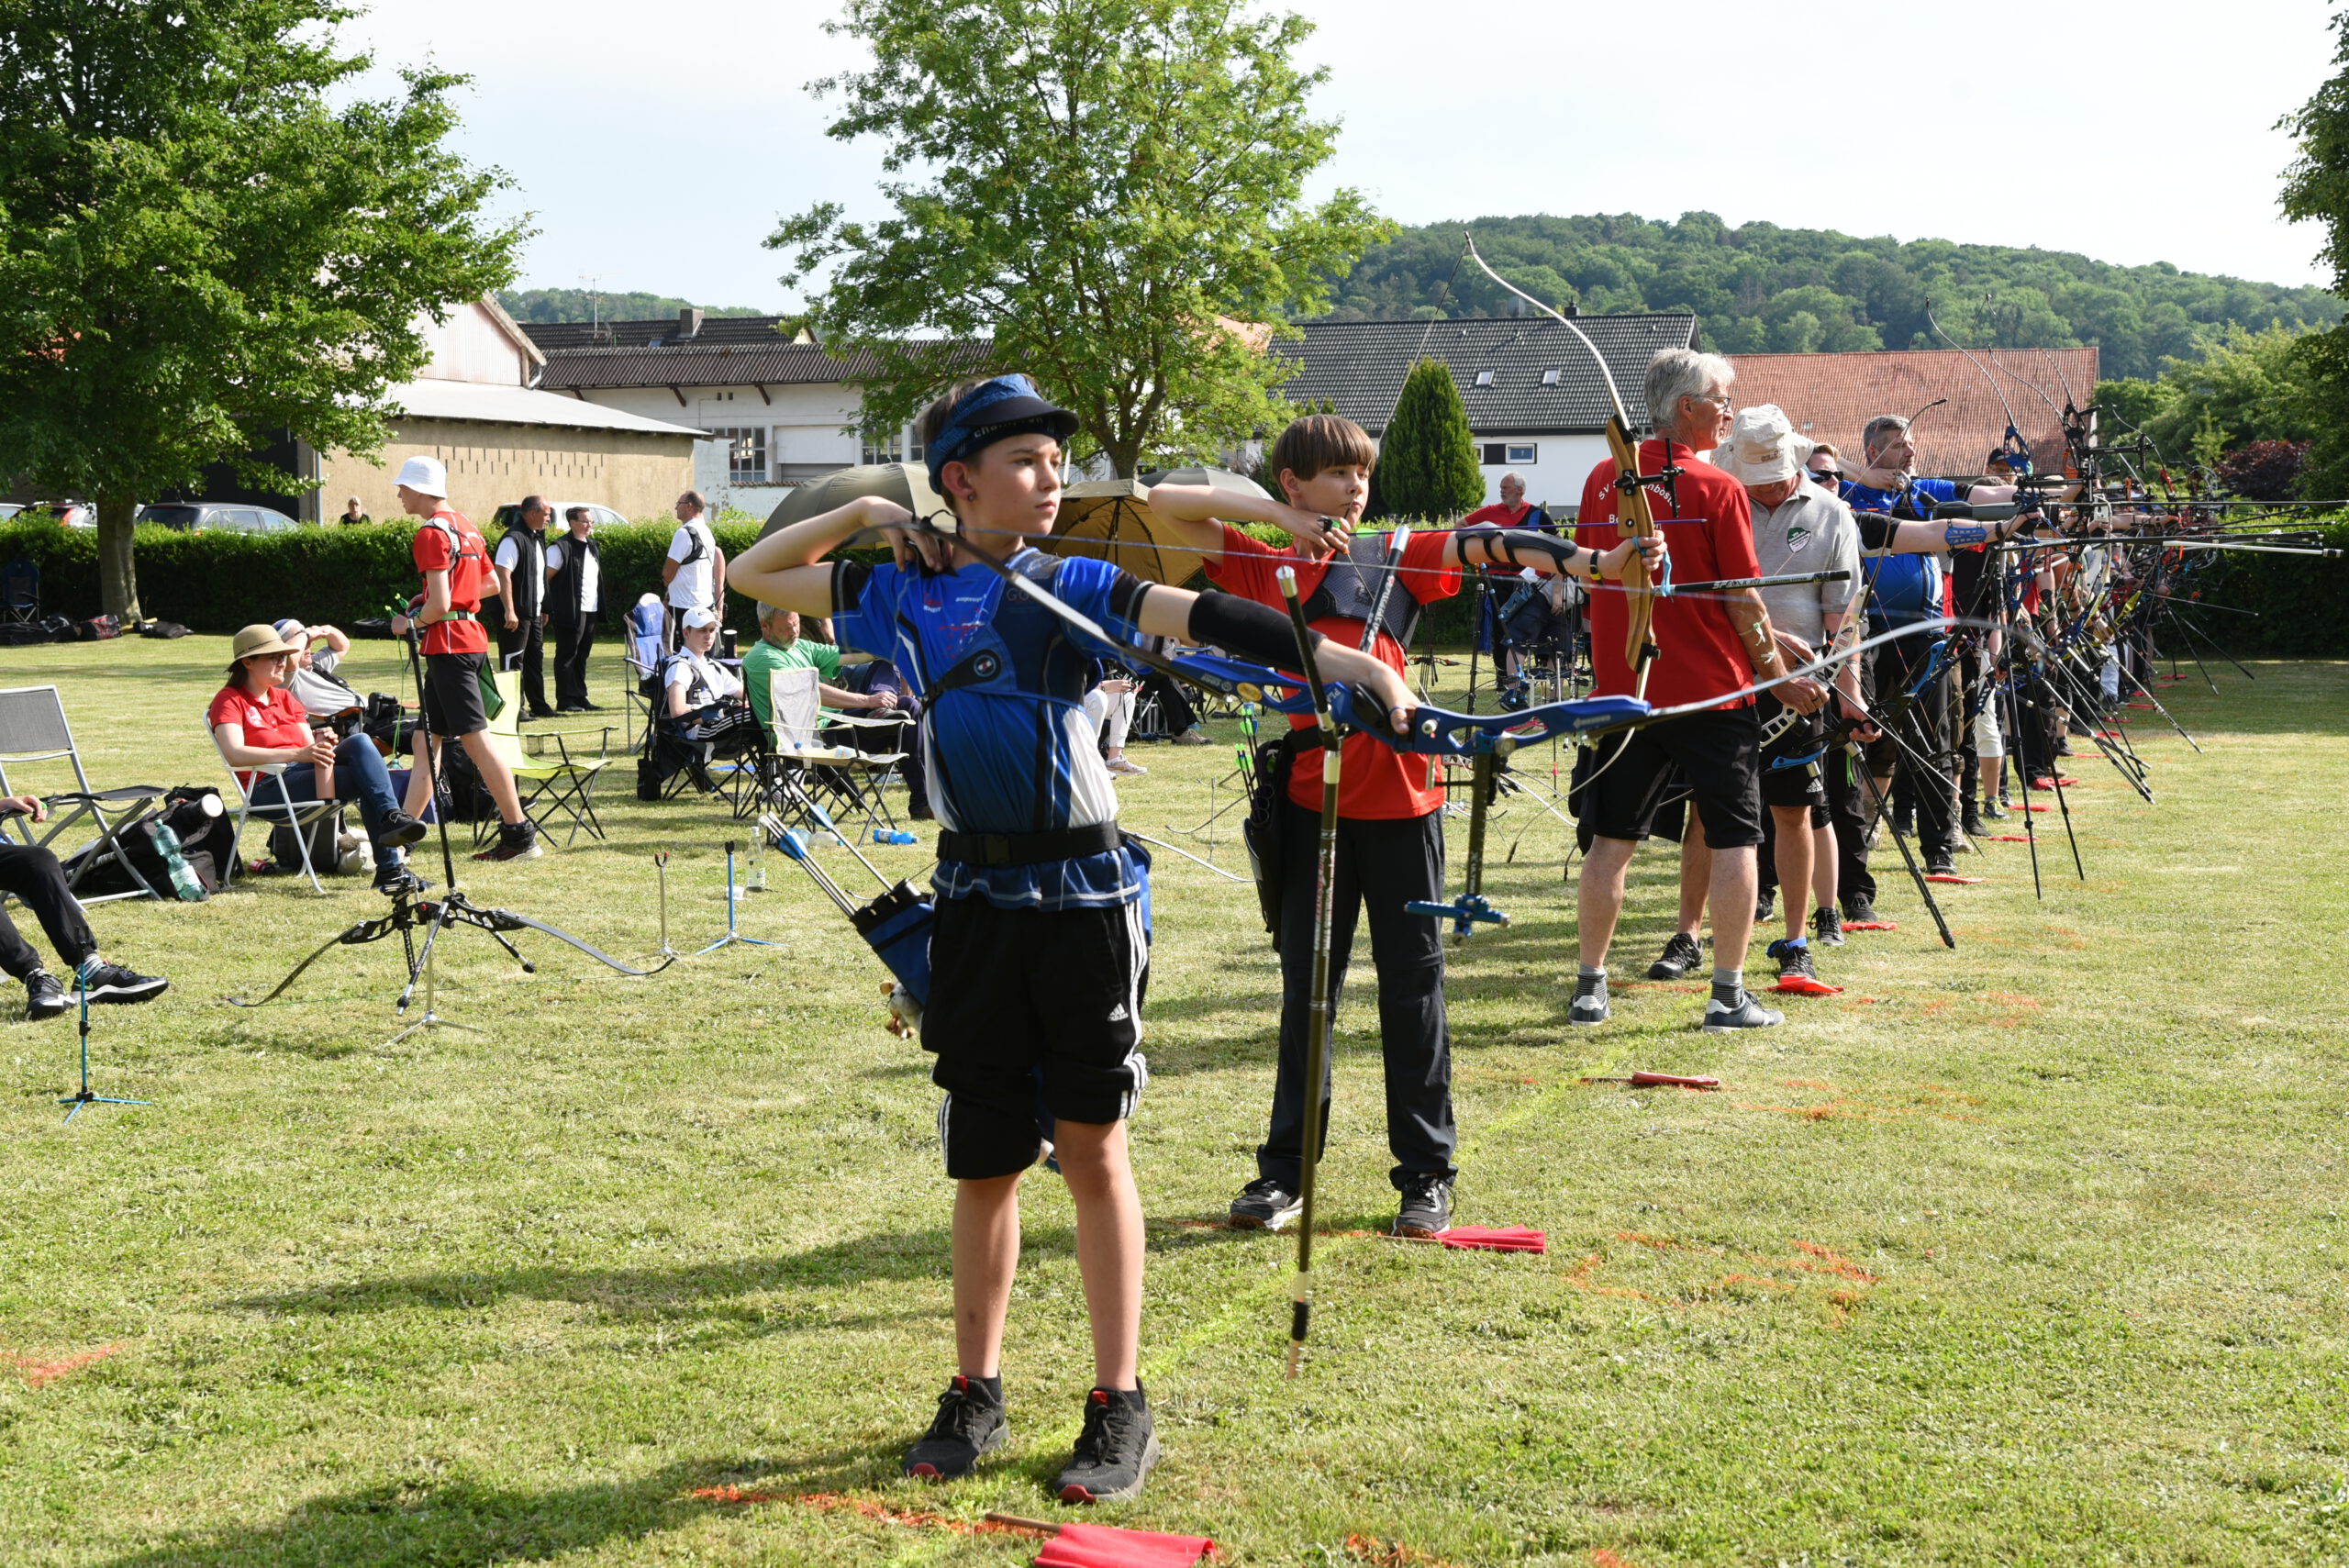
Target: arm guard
{"x": 1245, "y": 628}
{"x": 1517, "y": 548}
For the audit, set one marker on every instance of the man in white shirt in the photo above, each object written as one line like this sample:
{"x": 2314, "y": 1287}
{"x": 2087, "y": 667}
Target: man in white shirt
{"x": 520, "y": 561}
{"x": 694, "y": 572}
{"x": 575, "y": 599}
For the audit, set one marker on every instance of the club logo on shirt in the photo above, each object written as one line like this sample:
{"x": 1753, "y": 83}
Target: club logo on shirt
{"x": 1798, "y": 536}
{"x": 985, "y": 665}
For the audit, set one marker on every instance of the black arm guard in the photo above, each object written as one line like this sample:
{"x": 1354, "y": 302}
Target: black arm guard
{"x": 1246, "y": 629}
{"x": 1517, "y": 548}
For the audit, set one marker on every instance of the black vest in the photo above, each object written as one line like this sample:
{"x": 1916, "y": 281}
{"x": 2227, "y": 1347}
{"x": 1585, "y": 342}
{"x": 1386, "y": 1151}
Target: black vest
{"x": 562, "y": 593}
{"x": 529, "y": 570}
{"x": 1352, "y": 588}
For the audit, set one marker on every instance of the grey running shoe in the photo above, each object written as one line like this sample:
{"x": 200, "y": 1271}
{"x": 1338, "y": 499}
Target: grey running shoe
{"x": 1427, "y": 1207}
{"x": 970, "y": 1423}
{"x": 112, "y": 982}
{"x": 1794, "y": 959}
{"x": 1264, "y": 1204}
{"x": 1827, "y": 928}
{"x": 1680, "y": 955}
{"x": 1722, "y": 1018}
{"x": 44, "y": 997}
{"x": 1114, "y": 1453}
{"x": 1590, "y": 1001}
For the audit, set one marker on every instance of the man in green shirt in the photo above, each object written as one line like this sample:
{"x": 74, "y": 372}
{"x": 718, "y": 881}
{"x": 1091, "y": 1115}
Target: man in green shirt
{"x": 780, "y": 647}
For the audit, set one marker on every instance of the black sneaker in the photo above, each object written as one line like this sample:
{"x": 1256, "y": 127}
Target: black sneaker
{"x": 1114, "y": 1453}
{"x": 1859, "y": 912}
{"x": 1589, "y": 1006}
{"x": 1794, "y": 959}
{"x": 1827, "y": 928}
{"x": 515, "y": 842}
{"x": 1264, "y": 1204}
{"x": 112, "y": 982}
{"x": 1904, "y": 824}
{"x": 1939, "y": 864}
{"x": 1427, "y": 1207}
{"x": 398, "y": 831}
{"x": 394, "y": 880}
{"x": 44, "y": 997}
{"x": 970, "y": 1422}
{"x": 1972, "y": 825}
{"x": 1726, "y": 1018}
{"x": 1765, "y": 905}
{"x": 1992, "y": 811}
{"x": 1680, "y": 955}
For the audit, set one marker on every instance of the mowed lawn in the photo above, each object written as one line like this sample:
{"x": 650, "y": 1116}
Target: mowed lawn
{"x": 2030, "y": 1252}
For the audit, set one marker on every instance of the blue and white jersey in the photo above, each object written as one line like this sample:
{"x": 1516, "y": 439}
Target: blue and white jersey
{"x": 1004, "y": 737}
{"x": 1903, "y": 589}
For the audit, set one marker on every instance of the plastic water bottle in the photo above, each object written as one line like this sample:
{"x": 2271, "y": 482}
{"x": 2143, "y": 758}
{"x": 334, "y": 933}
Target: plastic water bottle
{"x": 891, "y": 836}
{"x": 185, "y": 886}
{"x": 754, "y": 874}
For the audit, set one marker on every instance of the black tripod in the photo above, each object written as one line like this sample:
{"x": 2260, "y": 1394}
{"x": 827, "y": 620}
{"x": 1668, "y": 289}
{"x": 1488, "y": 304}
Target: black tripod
{"x": 412, "y": 911}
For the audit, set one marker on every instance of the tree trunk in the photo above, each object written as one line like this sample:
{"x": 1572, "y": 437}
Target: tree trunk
{"x": 118, "y": 568}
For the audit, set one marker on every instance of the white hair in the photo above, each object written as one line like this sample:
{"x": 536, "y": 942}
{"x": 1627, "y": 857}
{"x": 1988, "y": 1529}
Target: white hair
{"x": 1675, "y": 374}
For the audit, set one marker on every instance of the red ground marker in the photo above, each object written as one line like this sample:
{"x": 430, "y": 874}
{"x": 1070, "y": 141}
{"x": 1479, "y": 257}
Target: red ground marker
{"x": 1953, "y": 881}
{"x": 1804, "y": 985}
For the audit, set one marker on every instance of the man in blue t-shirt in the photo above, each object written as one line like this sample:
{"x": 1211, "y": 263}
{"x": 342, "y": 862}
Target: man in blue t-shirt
{"x": 1894, "y": 509}
{"x": 1039, "y": 951}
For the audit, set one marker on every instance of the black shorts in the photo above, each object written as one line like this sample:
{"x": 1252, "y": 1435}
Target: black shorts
{"x": 1801, "y": 785}
{"x": 452, "y": 694}
{"x": 1031, "y": 1009}
{"x": 1718, "y": 754}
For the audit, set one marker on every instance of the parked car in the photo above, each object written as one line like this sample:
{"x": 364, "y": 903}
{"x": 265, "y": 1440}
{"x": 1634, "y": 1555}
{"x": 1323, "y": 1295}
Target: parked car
{"x": 200, "y": 515}
{"x": 505, "y": 517}
{"x": 64, "y": 513}
{"x": 9, "y": 509}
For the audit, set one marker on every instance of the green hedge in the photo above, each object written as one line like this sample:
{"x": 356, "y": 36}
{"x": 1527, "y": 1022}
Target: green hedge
{"x": 218, "y": 581}
{"x": 2302, "y": 603}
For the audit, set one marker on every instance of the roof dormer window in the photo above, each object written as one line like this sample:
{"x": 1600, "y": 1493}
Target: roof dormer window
{"x": 1550, "y": 378}
{"x": 1483, "y": 378}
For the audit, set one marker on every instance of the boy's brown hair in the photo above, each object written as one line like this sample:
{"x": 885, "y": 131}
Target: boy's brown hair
{"x": 1316, "y": 442}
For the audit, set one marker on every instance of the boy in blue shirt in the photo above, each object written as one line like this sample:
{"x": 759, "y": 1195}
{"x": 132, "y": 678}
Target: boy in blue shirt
{"x": 1039, "y": 953}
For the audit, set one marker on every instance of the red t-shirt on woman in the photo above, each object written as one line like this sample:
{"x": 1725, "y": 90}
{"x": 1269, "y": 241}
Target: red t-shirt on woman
{"x": 275, "y": 718}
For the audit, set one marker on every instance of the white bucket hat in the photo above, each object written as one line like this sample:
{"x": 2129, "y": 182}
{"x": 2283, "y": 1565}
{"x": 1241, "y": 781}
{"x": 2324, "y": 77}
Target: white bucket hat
{"x": 426, "y": 477}
{"x": 1760, "y": 445}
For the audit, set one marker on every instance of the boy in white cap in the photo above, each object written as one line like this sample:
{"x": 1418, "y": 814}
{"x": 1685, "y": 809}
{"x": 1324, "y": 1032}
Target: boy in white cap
{"x": 449, "y": 552}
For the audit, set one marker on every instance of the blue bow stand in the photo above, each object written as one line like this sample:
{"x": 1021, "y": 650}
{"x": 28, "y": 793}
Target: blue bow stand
{"x": 85, "y": 1097}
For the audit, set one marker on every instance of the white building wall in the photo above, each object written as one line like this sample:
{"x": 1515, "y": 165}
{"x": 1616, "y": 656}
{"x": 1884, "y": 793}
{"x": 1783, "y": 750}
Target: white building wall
{"x": 1554, "y": 480}
{"x": 471, "y": 345}
{"x": 803, "y": 433}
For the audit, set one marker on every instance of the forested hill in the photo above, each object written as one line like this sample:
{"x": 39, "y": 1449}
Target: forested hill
{"x": 1762, "y": 288}
{"x": 578, "y": 304}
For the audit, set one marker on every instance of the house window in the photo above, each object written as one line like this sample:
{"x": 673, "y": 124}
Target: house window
{"x": 890, "y": 448}
{"x": 1550, "y": 378}
{"x": 1483, "y": 378}
{"x": 1495, "y": 454}
{"x": 1524, "y": 455}
{"x": 746, "y": 454}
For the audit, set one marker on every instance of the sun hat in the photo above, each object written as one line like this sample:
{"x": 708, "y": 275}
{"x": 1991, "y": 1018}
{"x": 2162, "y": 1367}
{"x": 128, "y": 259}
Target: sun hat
{"x": 257, "y": 640}
{"x": 425, "y": 475}
{"x": 293, "y": 633}
{"x": 1760, "y": 445}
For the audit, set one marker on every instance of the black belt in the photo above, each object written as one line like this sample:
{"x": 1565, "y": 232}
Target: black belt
{"x": 1029, "y": 849}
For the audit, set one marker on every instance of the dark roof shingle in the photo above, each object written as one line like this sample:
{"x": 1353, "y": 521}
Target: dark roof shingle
{"x": 1357, "y": 367}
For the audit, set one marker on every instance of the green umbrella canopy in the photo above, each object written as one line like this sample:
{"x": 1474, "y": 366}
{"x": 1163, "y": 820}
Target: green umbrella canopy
{"x": 897, "y": 481}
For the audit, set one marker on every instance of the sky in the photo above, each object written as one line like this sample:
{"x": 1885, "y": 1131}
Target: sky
{"x": 655, "y": 150}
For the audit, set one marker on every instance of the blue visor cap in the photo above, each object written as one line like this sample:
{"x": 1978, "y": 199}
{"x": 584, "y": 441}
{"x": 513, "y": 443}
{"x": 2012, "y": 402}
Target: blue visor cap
{"x": 1007, "y": 406}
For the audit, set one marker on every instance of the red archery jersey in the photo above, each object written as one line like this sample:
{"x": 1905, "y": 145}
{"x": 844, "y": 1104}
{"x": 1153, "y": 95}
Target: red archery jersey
{"x": 1700, "y": 655}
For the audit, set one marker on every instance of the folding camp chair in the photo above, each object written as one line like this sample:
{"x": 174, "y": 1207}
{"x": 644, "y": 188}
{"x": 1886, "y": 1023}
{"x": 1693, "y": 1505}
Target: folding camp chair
{"x": 640, "y": 647}
{"x": 561, "y": 784}
{"x": 298, "y": 815}
{"x": 33, "y": 730}
{"x": 857, "y": 781}
{"x": 19, "y": 592}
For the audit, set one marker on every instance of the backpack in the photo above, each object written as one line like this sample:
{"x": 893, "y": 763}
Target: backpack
{"x": 162, "y": 629}
{"x": 146, "y": 858}
{"x": 333, "y": 852}
{"x": 207, "y": 832}
{"x": 98, "y": 629}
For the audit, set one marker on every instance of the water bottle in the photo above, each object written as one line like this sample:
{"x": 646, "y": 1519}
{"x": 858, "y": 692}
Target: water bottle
{"x": 185, "y": 886}
{"x": 754, "y": 873}
{"x": 891, "y": 836}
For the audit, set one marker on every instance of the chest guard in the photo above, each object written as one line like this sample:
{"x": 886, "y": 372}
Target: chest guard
{"x": 1356, "y": 587}
{"x": 1018, "y": 649}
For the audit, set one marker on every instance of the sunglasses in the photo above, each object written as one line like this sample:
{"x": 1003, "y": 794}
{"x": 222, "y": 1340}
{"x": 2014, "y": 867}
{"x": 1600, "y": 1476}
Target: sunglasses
{"x": 1820, "y": 473}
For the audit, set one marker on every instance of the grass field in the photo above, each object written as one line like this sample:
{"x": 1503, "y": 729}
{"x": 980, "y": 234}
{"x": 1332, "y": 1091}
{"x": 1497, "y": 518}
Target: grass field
{"x": 2028, "y": 1253}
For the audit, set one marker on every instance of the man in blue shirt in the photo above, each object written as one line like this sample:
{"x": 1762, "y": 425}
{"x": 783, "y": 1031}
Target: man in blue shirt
{"x": 1039, "y": 956}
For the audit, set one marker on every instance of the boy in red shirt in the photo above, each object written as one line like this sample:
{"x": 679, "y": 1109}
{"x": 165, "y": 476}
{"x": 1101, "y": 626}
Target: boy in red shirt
{"x": 449, "y": 551}
{"x": 1390, "y": 833}
{"x": 1710, "y": 644}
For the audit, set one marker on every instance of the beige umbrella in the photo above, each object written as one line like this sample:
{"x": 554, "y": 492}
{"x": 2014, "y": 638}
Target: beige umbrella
{"x": 907, "y": 483}
{"x": 1110, "y": 519}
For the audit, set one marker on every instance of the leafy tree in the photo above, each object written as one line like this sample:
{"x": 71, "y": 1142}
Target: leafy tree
{"x": 1105, "y": 180}
{"x": 198, "y": 249}
{"x": 1753, "y": 285}
{"x": 1427, "y": 463}
{"x": 2264, "y": 471}
{"x": 2316, "y": 190}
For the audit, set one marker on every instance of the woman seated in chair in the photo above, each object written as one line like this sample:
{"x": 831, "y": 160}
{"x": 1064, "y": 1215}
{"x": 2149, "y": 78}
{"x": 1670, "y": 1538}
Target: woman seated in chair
{"x": 258, "y": 723}
{"x": 702, "y": 701}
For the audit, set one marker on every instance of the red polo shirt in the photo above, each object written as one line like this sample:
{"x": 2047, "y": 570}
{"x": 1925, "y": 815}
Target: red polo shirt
{"x": 1700, "y": 653}
{"x": 275, "y": 718}
{"x": 467, "y": 564}
{"x": 1375, "y": 781}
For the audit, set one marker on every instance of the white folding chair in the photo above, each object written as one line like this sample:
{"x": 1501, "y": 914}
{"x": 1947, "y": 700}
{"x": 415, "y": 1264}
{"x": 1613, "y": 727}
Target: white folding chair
{"x": 298, "y": 815}
{"x": 33, "y": 730}
{"x": 858, "y": 780}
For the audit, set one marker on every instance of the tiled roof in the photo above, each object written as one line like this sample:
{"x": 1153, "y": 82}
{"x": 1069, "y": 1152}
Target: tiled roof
{"x": 551, "y": 336}
{"x": 771, "y": 361}
{"x": 522, "y": 405}
{"x": 1358, "y": 367}
{"x": 1831, "y": 397}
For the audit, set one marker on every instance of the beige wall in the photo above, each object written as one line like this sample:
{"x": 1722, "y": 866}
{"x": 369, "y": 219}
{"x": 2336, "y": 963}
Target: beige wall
{"x": 638, "y": 475}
